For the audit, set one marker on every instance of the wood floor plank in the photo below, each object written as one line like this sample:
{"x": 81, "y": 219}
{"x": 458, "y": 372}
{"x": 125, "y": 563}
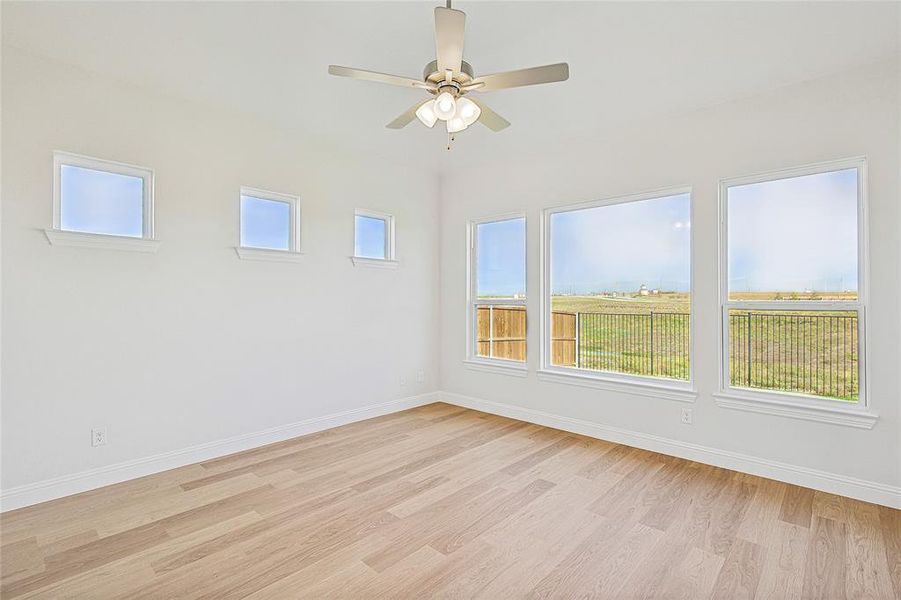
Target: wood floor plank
{"x": 589, "y": 555}
{"x": 824, "y": 574}
{"x": 440, "y": 501}
{"x": 728, "y": 515}
{"x": 797, "y": 506}
{"x": 890, "y": 521}
{"x": 741, "y": 572}
{"x": 786, "y": 558}
{"x": 867, "y": 572}
{"x": 450, "y": 541}
{"x": 20, "y": 559}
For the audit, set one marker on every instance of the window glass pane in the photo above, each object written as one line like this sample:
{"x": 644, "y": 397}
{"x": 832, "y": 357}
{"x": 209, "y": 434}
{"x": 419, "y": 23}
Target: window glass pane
{"x": 370, "y": 237}
{"x": 501, "y": 331}
{"x": 620, "y": 287}
{"x": 95, "y": 201}
{"x": 501, "y": 259}
{"x": 265, "y": 223}
{"x": 807, "y": 352}
{"x": 794, "y": 239}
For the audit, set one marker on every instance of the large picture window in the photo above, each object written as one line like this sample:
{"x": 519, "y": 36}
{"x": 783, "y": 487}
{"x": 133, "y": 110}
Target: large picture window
{"x": 792, "y": 293}
{"x": 497, "y": 303}
{"x": 618, "y": 289}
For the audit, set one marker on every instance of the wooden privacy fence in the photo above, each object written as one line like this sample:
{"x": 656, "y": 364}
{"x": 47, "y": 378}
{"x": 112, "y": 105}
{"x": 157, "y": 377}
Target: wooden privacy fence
{"x": 501, "y": 332}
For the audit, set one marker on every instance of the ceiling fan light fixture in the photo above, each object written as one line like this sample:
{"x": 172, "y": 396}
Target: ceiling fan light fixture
{"x": 445, "y": 106}
{"x": 426, "y": 113}
{"x": 456, "y": 124}
{"x": 468, "y": 110}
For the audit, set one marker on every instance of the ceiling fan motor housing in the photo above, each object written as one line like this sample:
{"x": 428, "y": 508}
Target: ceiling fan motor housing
{"x": 430, "y": 74}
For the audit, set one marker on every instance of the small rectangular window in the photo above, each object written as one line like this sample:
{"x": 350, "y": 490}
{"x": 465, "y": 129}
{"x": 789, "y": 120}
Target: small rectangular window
{"x": 498, "y": 289}
{"x": 791, "y": 292}
{"x": 102, "y": 197}
{"x": 619, "y": 285}
{"x": 373, "y": 235}
{"x": 269, "y": 221}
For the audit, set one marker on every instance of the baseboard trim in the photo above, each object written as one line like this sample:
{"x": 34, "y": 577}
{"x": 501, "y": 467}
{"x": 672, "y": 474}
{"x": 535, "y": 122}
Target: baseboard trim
{"x": 67, "y": 485}
{"x": 868, "y": 491}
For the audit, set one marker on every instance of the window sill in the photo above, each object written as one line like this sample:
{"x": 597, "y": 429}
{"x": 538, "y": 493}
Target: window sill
{"x": 837, "y": 415}
{"x": 514, "y": 370}
{"x": 375, "y": 263}
{"x": 268, "y": 254}
{"x": 637, "y": 388}
{"x": 77, "y": 239}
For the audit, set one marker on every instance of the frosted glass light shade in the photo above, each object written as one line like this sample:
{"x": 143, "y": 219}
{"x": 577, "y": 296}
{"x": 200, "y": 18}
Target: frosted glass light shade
{"x": 456, "y": 124}
{"x": 426, "y": 113}
{"x": 468, "y": 110}
{"x": 445, "y": 106}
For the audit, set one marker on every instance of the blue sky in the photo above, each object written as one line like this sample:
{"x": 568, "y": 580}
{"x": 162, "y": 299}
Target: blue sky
{"x": 501, "y": 260}
{"x": 794, "y": 234}
{"x": 101, "y": 202}
{"x": 265, "y": 223}
{"x": 369, "y": 237}
{"x": 619, "y": 247}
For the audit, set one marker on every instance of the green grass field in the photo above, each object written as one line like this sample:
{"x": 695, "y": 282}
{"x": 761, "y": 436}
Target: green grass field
{"x": 633, "y": 304}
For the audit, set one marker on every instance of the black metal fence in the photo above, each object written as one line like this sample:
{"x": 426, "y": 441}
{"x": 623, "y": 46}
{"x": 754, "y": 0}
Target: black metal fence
{"x": 654, "y": 344}
{"x": 796, "y": 352}
{"x": 774, "y": 350}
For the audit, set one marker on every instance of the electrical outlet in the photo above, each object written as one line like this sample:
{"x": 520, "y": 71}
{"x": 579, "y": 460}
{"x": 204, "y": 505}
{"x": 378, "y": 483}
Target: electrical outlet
{"x": 98, "y": 436}
{"x": 686, "y": 416}
{"x": 420, "y": 376}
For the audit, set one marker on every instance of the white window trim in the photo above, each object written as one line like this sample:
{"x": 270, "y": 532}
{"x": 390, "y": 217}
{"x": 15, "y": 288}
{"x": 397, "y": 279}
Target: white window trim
{"x": 655, "y": 387}
{"x": 472, "y": 360}
{"x": 789, "y": 404}
{"x": 60, "y": 237}
{"x": 390, "y": 261}
{"x": 295, "y": 251}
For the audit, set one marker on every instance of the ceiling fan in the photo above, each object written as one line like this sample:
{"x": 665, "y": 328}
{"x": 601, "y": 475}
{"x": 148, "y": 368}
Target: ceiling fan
{"x": 450, "y": 79}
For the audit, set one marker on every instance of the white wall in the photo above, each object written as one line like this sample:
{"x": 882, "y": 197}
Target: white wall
{"x": 836, "y": 117}
{"x": 192, "y": 345}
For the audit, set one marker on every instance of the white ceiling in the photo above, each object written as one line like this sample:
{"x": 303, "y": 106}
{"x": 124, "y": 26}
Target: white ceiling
{"x": 628, "y": 61}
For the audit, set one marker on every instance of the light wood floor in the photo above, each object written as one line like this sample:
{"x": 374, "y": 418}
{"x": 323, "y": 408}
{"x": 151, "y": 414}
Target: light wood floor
{"x": 446, "y": 502}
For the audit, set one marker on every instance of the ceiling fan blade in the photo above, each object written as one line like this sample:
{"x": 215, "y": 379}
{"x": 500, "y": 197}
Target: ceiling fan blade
{"x": 449, "y": 26}
{"x": 406, "y": 117}
{"x": 378, "y": 77}
{"x": 489, "y": 118}
{"x": 532, "y": 76}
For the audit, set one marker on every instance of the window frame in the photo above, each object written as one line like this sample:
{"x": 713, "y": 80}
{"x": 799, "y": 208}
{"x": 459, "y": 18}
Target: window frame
{"x": 780, "y": 402}
{"x": 295, "y": 237}
{"x": 472, "y": 359}
{"x": 65, "y": 237}
{"x": 643, "y": 385}
{"x": 390, "y": 261}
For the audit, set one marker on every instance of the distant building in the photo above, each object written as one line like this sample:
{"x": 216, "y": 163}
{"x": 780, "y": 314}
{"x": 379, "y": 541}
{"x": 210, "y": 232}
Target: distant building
{"x": 643, "y": 290}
